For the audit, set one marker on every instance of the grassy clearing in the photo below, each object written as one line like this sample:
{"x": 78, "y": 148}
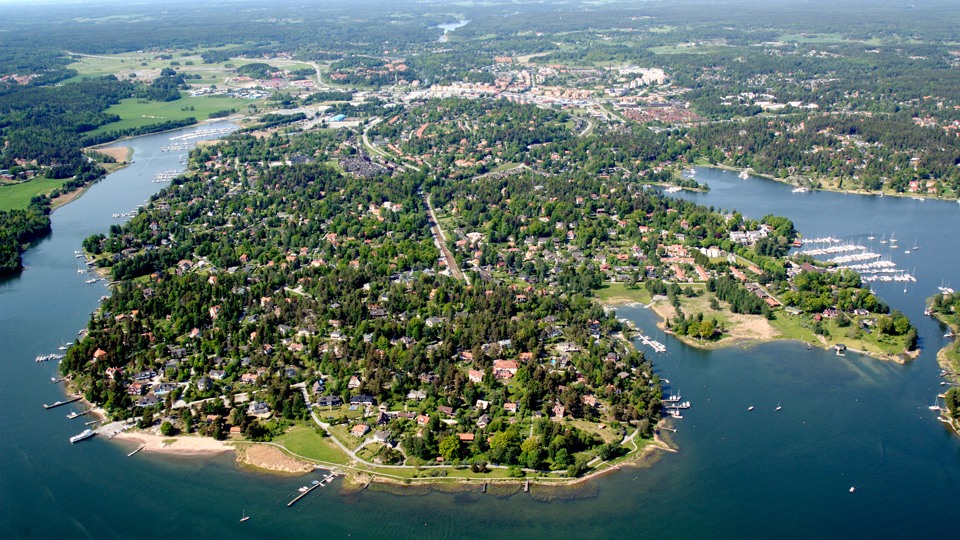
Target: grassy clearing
{"x": 701, "y": 304}
{"x": 17, "y": 196}
{"x": 136, "y": 113}
{"x": 801, "y": 328}
{"x": 825, "y": 38}
{"x": 368, "y": 452}
{"x": 147, "y": 65}
{"x": 343, "y": 435}
{"x": 608, "y": 435}
{"x": 680, "y": 49}
{"x": 305, "y": 442}
{"x": 619, "y": 293}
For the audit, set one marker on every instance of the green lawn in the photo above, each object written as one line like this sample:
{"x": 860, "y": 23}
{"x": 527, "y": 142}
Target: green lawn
{"x": 619, "y": 293}
{"x": 136, "y": 113}
{"x": 342, "y": 433}
{"x": 368, "y": 452}
{"x": 826, "y": 38}
{"x": 14, "y": 196}
{"x": 677, "y": 49}
{"x": 305, "y": 441}
{"x": 801, "y": 328}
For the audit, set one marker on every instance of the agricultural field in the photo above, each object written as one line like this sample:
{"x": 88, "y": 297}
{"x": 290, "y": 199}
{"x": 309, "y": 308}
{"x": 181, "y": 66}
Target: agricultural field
{"x": 136, "y": 113}
{"x": 13, "y": 196}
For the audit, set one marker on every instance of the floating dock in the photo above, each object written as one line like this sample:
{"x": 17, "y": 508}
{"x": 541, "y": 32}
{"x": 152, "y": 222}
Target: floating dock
{"x": 653, "y": 344}
{"x": 139, "y": 448}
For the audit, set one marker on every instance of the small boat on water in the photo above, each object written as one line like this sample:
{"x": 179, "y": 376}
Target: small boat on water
{"x": 245, "y": 516}
{"x": 750, "y": 408}
{"x": 744, "y": 175}
{"x": 778, "y": 406}
{"x": 800, "y": 189}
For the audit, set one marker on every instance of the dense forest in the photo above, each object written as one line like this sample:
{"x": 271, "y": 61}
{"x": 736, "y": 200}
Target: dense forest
{"x": 18, "y": 228}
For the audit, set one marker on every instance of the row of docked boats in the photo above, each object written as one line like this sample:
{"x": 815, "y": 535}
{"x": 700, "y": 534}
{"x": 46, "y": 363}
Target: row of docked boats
{"x": 673, "y": 405}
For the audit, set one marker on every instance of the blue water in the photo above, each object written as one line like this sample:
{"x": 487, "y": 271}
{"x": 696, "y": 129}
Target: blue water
{"x": 845, "y": 421}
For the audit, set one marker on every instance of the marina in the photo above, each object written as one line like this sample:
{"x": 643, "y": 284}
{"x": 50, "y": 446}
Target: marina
{"x": 872, "y": 266}
{"x": 653, "y": 344}
{"x": 166, "y": 176}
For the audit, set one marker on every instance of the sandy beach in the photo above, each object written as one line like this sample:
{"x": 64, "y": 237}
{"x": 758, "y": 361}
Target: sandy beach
{"x": 739, "y": 328}
{"x": 121, "y": 154}
{"x": 183, "y": 445}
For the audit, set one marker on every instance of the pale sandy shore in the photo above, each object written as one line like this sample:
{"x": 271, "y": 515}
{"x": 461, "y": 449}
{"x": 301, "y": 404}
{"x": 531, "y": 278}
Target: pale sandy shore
{"x": 121, "y": 154}
{"x": 262, "y": 457}
{"x": 186, "y": 445}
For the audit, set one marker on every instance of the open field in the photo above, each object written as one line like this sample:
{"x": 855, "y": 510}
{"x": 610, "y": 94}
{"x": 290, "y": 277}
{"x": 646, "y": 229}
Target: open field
{"x": 619, "y": 293}
{"x": 304, "y": 441}
{"x": 801, "y": 329}
{"x": 13, "y": 196}
{"x": 136, "y": 113}
{"x": 147, "y": 65}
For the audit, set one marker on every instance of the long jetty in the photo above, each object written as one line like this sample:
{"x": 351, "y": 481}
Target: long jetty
{"x": 305, "y": 493}
{"x": 59, "y": 403}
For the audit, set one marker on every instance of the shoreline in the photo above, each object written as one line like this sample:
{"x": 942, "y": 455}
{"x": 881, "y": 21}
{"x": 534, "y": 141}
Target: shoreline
{"x": 274, "y": 459}
{"x": 175, "y": 444}
{"x": 665, "y": 311}
{"x": 828, "y": 188}
{"x": 558, "y": 487}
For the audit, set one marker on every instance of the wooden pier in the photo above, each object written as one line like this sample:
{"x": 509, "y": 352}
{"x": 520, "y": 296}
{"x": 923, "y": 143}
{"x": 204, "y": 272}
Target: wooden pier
{"x": 311, "y": 488}
{"x": 139, "y": 448}
{"x": 59, "y": 403}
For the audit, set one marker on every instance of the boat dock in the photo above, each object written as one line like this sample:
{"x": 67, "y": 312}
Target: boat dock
{"x": 139, "y": 448}
{"x": 78, "y": 414}
{"x": 315, "y": 485}
{"x": 653, "y": 344}
{"x": 59, "y": 403}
